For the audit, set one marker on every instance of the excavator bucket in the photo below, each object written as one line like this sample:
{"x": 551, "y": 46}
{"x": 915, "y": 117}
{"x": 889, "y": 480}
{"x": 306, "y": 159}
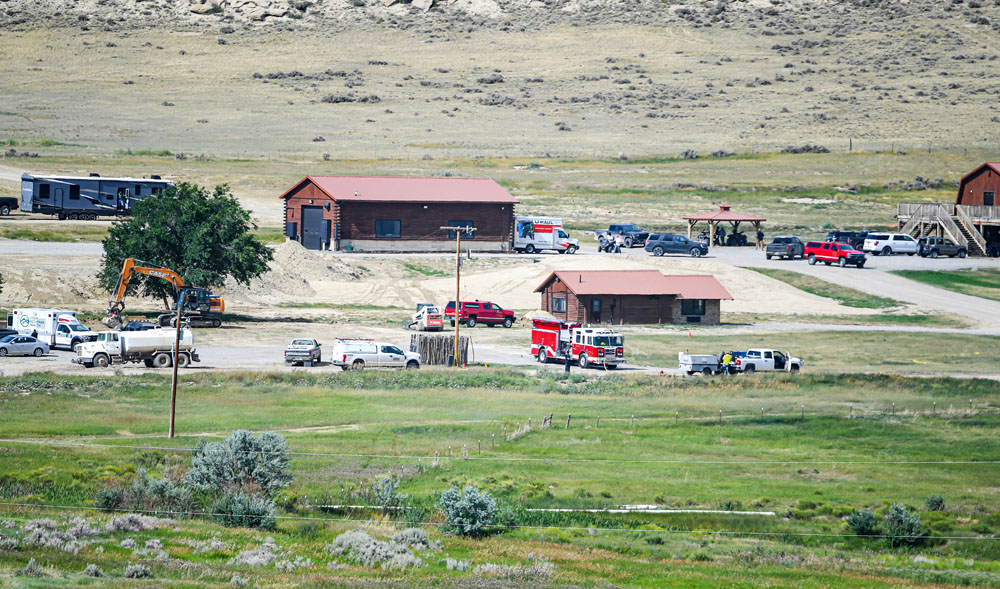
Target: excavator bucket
{"x": 112, "y": 320}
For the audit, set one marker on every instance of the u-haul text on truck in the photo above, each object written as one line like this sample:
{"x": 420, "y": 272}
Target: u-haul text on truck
{"x": 56, "y": 327}
{"x": 534, "y": 234}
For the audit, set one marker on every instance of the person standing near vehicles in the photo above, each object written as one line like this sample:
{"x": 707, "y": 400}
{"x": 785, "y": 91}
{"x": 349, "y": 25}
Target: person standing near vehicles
{"x": 727, "y": 359}
{"x": 760, "y": 238}
{"x": 618, "y": 243}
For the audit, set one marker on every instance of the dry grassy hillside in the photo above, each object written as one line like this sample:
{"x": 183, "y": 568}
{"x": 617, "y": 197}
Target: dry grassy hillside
{"x": 356, "y": 79}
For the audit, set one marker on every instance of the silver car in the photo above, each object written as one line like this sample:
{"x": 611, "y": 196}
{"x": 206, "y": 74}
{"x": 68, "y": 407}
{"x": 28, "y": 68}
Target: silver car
{"x": 22, "y": 345}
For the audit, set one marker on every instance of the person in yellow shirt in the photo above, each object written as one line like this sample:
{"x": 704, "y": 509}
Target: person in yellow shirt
{"x": 727, "y": 359}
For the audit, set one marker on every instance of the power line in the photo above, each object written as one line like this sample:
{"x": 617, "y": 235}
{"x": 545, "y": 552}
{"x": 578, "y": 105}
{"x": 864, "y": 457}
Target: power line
{"x": 523, "y": 459}
{"x": 520, "y": 527}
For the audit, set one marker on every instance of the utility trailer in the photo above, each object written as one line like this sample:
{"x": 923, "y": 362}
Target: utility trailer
{"x": 86, "y": 197}
{"x": 154, "y": 348}
{"x": 553, "y": 340}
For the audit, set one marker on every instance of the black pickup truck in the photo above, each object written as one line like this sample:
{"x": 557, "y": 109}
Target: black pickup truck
{"x": 786, "y": 247}
{"x": 7, "y": 204}
{"x": 632, "y": 235}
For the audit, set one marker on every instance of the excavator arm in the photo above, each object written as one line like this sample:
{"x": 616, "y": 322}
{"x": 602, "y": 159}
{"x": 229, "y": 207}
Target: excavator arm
{"x": 130, "y": 268}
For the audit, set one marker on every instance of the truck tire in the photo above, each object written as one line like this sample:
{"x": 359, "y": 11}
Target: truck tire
{"x": 861, "y": 265}
{"x": 3, "y": 352}
{"x": 471, "y": 321}
{"x": 75, "y": 346}
{"x": 827, "y": 262}
{"x": 358, "y": 364}
{"x": 571, "y": 249}
{"x": 4, "y": 210}
{"x": 508, "y": 322}
{"x": 842, "y": 262}
{"x": 628, "y": 242}
{"x": 543, "y": 357}
{"x": 147, "y": 363}
{"x": 162, "y": 360}
{"x": 102, "y": 360}
{"x": 795, "y": 368}
{"x": 695, "y": 252}
{"x": 583, "y": 362}
{"x": 706, "y": 371}
{"x": 934, "y": 253}
{"x": 887, "y": 251}
{"x": 657, "y": 251}
{"x": 812, "y": 259}
{"x": 413, "y": 365}
{"x": 38, "y": 352}
{"x": 183, "y": 360}
{"x": 768, "y": 256}
{"x": 216, "y": 323}
{"x": 529, "y": 249}
{"x": 750, "y": 369}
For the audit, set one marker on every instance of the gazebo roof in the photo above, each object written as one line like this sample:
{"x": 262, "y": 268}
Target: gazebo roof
{"x": 723, "y": 214}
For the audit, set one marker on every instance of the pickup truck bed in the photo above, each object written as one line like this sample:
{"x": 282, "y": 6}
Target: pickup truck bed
{"x": 7, "y": 204}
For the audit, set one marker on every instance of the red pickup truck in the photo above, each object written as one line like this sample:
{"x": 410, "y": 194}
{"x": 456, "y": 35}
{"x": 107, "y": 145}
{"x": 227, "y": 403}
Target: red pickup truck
{"x": 830, "y": 252}
{"x": 472, "y": 312}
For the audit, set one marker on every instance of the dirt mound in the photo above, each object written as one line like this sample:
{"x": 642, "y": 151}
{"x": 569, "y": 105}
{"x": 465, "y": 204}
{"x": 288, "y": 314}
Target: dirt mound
{"x": 293, "y": 273}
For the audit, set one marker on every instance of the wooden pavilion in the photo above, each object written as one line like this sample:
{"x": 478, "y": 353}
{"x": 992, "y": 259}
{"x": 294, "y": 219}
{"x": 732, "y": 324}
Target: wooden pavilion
{"x": 723, "y": 215}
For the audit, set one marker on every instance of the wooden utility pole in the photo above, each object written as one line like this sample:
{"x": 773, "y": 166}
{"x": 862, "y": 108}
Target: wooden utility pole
{"x": 177, "y": 354}
{"x": 458, "y": 277}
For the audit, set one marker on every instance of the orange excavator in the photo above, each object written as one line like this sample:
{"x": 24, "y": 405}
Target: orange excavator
{"x": 200, "y": 307}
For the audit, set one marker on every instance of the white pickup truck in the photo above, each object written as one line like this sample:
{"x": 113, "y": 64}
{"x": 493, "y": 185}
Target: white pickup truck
{"x": 765, "y": 360}
{"x": 154, "y": 348}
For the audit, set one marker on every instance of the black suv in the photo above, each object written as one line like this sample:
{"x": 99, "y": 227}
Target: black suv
{"x": 939, "y": 246}
{"x": 671, "y": 243}
{"x": 855, "y": 239}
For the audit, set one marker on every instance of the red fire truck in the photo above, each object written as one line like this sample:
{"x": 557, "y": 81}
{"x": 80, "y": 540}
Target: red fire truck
{"x": 552, "y": 340}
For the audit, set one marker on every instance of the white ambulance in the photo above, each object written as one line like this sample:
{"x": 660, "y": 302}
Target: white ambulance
{"x": 56, "y": 327}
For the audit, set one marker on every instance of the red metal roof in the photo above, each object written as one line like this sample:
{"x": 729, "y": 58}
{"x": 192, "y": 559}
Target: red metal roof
{"x": 638, "y": 282}
{"x": 403, "y": 189}
{"x": 723, "y": 214}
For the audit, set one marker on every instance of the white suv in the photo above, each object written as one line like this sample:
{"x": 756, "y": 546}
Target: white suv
{"x": 890, "y": 243}
{"x": 358, "y": 354}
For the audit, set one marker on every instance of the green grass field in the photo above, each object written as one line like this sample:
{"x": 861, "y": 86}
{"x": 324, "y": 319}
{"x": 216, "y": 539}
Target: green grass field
{"x": 660, "y": 441}
{"x": 984, "y": 282}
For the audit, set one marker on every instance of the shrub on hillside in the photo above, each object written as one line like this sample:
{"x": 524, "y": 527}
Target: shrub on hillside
{"x": 384, "y": 492}
{"x": 934, "y": 503}
{"x": 238, "y": 508}
{"x": 243, "y": 460}
{"x": 863, "y": 523}
{"x": 138, "y": 571}
{"x": 146, "y": 494}
{"x": 467, "y": 513}
{"x": 902, "y": 528}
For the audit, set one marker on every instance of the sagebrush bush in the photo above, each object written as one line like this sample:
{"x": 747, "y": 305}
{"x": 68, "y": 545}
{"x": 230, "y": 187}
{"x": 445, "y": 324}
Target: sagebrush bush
{"x": 384, "y": 492}
{"x": 467, "y": 513}
{"x": 934, "y": 503}
{"x": 414, "y": 538}
{"x": 242, "y": 460}
{"x": 134, "y": 522}
{"x": 93, "y": 570}
{"x": 138, "y": 571}
{"x": 30, "y": 570}
{"x": 237, "y": 508}
{"x": 863, "y": 523}
{"x": 256, "y": 557}
{"x": 145, "y": 493}
{"x": 902, "y": 528}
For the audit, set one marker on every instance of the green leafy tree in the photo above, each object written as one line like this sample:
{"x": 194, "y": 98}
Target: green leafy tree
{"x": 204, "y": 236}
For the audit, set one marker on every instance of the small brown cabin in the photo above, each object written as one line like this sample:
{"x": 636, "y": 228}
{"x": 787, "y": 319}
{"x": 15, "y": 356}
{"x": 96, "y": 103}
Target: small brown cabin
{"x": 386, "y": 214}
{"x": 632, "y": 297}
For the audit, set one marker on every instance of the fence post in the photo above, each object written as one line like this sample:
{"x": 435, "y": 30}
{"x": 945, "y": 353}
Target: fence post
{"x": 935, "y": 407}
{"x": 850, "y": 412}
{"x": 720, "y": 416}
{"x": 803, "y": 407}
{"x": 893, "y": 408}
{"x": 677, "y": 415}
{"x": 480, "y": 442}
{"x": 631, "y": 423}
{"x": 493, "y": 440}
{"x": 567, "y": 420}
{"x": 598, "y": 422}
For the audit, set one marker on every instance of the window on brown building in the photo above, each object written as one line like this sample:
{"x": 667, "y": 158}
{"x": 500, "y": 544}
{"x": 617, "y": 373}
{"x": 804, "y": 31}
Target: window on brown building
{"x": 558, "y": 304}
{"x": 693, "y": 307}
